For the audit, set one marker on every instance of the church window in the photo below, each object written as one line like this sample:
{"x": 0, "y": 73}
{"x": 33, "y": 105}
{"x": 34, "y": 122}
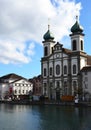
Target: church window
{"x": 74, "y": 45}
{"x": 57, "y": 69}
{"x": 57, "y": 47}
{"x": 81, "y": 45}
{"x": 75, "y": 87}
{"x": 65, "y": 87}
{"x": 51, "y": 84}
{"x": 65, "y": 69}
{"x": 50, "y": 70}
{"x": 74, "y": 84}
{"x": 74, "y": 69}
{"x": 45, "y": 85}
{"x": 58, "y": 84}
{"x": 44, "y": 71}
{"x": 45, "y": 51}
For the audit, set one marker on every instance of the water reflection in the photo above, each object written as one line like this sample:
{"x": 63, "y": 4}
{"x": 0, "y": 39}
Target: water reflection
{"x": 21, "y": 117}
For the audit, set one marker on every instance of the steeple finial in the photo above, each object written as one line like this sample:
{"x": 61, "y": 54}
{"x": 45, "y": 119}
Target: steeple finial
{"x": 48, "y": 23}
{"x": 77, "y": 18}
{"x": 48, "y": 35}
{"x": 76, "y": 28}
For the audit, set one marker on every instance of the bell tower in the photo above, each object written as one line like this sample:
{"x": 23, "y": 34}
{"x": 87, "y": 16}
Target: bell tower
{"x": 77, "y": 37}
{"x": 48, "y": 42}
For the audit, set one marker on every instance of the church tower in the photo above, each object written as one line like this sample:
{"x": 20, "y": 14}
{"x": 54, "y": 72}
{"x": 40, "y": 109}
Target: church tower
{"x": 77, "y": 37}
{"x": 48, "y": 42}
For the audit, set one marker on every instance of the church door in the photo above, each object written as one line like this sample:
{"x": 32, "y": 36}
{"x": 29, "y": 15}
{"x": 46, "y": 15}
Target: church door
{"x": 57, "y": 95}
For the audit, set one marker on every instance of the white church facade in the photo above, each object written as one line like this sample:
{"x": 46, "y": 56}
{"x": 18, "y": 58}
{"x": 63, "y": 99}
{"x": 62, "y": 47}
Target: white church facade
{"x": 61, "y": 67}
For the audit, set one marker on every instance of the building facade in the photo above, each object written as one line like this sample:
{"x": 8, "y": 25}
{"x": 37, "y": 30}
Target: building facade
{"x": 15, "y": 87}
{"x": 61, "y": 67}
{"x": 37, "y": 85}
{"x": 86, "y": 82}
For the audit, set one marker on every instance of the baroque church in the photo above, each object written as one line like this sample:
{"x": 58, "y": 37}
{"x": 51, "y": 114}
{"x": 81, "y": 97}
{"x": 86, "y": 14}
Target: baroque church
{"x": 61, "y": 67}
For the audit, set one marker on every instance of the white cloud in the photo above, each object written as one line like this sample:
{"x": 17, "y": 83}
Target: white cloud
{"x": 22, "y": 20}
{"x": 13, "y": 52}
{"x": 30, "y": 49}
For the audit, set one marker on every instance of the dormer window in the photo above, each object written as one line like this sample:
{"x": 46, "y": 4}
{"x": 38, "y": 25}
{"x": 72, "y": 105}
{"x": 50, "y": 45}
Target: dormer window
{"x": 58, "y": 47}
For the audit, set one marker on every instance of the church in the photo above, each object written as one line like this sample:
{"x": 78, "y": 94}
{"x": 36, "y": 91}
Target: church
{"x": 61, "y": 68}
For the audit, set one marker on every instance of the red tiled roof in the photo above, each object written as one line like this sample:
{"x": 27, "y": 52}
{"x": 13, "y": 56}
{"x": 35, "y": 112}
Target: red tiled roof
{"x": 86, "y": 68}
{"x": 11, "y": 76}
{"x": 89, "y": 59}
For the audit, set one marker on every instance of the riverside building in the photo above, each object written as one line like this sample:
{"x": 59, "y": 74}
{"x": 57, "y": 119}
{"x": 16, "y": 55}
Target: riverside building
{"x": 15, "y": 87}
{"x": 61, "y": 67}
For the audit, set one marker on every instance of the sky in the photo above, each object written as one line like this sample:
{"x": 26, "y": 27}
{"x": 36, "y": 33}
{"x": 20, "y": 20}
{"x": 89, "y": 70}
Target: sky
{"x": 23, "y": 24}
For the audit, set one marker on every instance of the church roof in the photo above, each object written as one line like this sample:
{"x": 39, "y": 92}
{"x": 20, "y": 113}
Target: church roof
{"x": 11, "y": 76}
{"x": 89, "y": 59}
{"x": 68, "y": 51}
{"x": 86, "y": 68}
{"x": 76, "y": 28}
{"x": 48, "y": 35}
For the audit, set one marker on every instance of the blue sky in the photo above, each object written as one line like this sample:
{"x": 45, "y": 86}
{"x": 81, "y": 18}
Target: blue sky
{"x": 23, "y": 24}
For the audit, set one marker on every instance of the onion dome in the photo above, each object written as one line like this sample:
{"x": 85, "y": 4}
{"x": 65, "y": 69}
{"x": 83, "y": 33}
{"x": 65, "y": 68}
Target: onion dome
{"x": 76, "y": 28}
{"x": 48, "y": 35}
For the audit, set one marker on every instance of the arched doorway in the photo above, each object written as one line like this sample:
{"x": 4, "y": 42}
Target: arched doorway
{"x": 57, "y": 94}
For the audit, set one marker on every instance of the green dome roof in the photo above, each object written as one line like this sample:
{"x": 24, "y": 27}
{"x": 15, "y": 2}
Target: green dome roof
{"x": 48, "y": 35}
{"x": 76, "y": 28}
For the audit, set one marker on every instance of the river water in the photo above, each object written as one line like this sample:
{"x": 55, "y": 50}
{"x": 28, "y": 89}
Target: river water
{"x": 25, "y": 117}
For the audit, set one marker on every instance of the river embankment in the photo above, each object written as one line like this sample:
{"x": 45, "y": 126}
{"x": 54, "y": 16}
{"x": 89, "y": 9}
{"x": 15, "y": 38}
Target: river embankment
{"x": 27, "y": 102}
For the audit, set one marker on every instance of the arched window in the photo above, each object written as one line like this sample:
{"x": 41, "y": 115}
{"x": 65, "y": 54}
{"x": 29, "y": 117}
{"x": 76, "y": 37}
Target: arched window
{"x": 74, "y": 46}
{"x": 44, "y": 71}
{"x": 65, "y": 87}
{"x": 51, "y": 84}
{"x": 74, "y": 69}
{"x": 65, "y": 69}
{"x": 58, "y": 84}
{"x": 57, "y": 69}
{"x": 45, "y": 51}
{"x": 75, "y": 87}
{"x": 74, "y": 84}
{"x": 45, "y": 89}
{"x": 81, "y": 45}
{"x": 50, "y": 70}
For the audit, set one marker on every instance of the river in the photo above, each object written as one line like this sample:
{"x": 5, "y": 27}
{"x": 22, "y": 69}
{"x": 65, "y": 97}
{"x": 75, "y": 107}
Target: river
{"x": 25, "y": 117}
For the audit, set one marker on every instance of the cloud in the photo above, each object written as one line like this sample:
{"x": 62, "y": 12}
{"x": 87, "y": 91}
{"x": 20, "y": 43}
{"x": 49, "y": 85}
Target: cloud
{"x": 13, "y": 52}
{"x": 30, "y": 49}
{"x": 23, "y": 20}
